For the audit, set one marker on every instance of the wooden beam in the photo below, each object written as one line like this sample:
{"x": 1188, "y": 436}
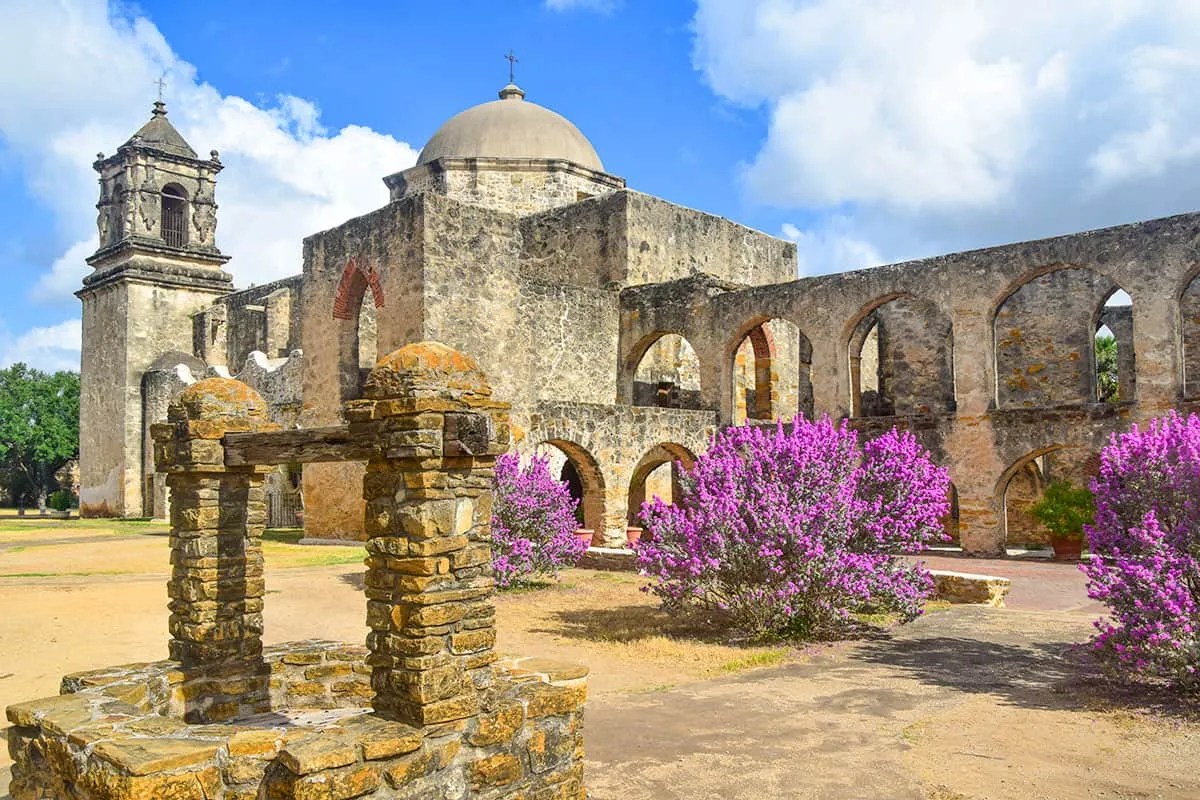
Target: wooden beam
{"x": 289, "y": 447}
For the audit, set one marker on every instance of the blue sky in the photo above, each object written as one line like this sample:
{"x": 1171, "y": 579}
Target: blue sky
{"x": 868, "y": 131}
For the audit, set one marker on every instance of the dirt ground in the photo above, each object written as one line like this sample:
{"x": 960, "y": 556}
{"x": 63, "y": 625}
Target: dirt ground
{"x": 966, "y": 703}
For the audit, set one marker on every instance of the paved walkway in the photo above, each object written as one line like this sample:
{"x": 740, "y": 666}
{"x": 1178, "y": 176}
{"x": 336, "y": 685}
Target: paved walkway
{"x": 1038, "y": 584}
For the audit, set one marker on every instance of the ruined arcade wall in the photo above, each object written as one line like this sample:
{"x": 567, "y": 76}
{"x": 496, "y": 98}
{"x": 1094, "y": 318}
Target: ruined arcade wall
{"x": 985, "y": 438}
{"x": 265, "y": 318}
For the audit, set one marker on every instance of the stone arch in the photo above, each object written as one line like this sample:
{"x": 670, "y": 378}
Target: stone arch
{"x": 1114, "y": 318}
{"x": 1021, "y": 485}
{"x": 950, "y": 522}
{"x": 1189, "y": 314}
{"x": 1043, "y": 334}
{"x": 357, "y": 326}
{"x": 769, "y": 364}
{"x": 900, "y": 350}
{"x": 666, "y": 458}
{"x": 573, "y": 464}
{"x": 663, "y": 370}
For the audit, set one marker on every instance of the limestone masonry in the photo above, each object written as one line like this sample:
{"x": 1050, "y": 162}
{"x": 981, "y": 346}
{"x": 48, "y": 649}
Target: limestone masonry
{"x": 424, "y": 712}
{"x": 621, "y": 328}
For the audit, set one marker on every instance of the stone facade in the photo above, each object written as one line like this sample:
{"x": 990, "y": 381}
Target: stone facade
{"x": 425, "y": 710}
{"x": 581, "y": 294}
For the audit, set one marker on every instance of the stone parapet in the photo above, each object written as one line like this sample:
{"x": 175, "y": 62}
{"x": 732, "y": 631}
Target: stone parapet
{"x": 965, "y": 587}
{"x": 116, "y": 733}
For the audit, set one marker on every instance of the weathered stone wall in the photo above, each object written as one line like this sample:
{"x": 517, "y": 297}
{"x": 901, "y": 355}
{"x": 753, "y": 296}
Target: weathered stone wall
{"x": 1043, "y": 355}
{"x": 389, "y": 245}
{"x": 127, "y": 326}
{"x": 667, "y": 241}
{"x": 628, "y": 239}
{"x": 607, "y": 443}
{"x": 514, "y": 186}
{"x": 915, "y": 369}
{"x": 265, "y": 318}
{"x": 280, "y": 381}
{"x": 1153, "y": 262}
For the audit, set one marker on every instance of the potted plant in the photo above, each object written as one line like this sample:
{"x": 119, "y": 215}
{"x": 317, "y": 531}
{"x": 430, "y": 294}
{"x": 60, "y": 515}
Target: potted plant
{"x": 632, "y": 535}
{"x": 1064, "y": 509}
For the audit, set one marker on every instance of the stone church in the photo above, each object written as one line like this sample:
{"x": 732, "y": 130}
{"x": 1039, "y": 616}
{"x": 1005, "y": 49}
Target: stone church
{"x": 623, "y": 328}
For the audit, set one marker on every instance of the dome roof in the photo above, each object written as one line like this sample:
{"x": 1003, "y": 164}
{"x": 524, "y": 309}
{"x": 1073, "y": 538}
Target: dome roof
{"x": 510, "y": 128}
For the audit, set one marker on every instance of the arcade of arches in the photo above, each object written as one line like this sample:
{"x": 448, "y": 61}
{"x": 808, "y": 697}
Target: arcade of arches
{"x": 1013, "y": 365}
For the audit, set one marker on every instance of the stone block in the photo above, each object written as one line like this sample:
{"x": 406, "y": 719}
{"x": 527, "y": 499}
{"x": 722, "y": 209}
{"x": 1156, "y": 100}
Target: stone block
{"x": 330, "y": 748}
{"x": 965, "y": 587}
{"x": 501, "y": 769}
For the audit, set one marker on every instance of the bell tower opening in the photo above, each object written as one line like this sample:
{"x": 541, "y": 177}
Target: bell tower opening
{"x": 174, "y": 215}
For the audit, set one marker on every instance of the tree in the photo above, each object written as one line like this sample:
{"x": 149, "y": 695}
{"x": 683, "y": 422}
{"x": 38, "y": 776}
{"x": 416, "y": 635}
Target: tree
{"x": 1146, "y": 546}
{"x": 533, "y": 521}
{"x": 39, "y": 428}
{"x": 1107, "y": 383}
{"x": 793, "y": 532}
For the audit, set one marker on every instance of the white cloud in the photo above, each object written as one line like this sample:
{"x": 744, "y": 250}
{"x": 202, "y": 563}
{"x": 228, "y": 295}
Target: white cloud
{"x": 833, "y": 247}
{"x": 938, "y": 124}
{"x": 50, "y": 348}
{"x": 77, "y": 76}
{"x": 603, "y": 6}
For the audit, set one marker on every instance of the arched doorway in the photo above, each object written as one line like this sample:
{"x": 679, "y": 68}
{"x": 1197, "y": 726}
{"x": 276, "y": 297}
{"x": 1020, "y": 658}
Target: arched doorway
{"x": 771, "y": 372}
{"x": 657, "y": 475}
{"x": 577, "y": 468}
{"x": 1024, "y": 483}
{"x": 901, "y": 354}
{"x": 357, "y": 327}
{"x": 667, "y": 374}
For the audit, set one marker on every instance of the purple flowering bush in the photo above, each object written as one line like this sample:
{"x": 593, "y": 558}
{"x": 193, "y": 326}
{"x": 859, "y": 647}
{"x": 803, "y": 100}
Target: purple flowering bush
{"x": 793, "y": 532}
{"x": 533, "y": 521}
{"x": 1146, "y": 546}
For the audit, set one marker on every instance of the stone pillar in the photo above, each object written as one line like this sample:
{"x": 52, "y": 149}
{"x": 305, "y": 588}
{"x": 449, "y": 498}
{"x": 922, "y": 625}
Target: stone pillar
{"x": 217, "y": 518}
{"x": 428, "y": 522}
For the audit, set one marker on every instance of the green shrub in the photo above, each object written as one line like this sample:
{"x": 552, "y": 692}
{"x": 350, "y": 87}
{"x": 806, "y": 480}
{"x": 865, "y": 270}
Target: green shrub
{"x": 1064, "y": 509}
{"x": 62, "y": 500}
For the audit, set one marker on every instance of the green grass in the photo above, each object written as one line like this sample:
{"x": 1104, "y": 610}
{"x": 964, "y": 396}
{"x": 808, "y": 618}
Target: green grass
{"x": 116, "y": 527}
{"x": 537, "y": 585}
{"x": 286, "y": 555}
{"x": 289, "y": 535}
{"x": 766, "y": 658}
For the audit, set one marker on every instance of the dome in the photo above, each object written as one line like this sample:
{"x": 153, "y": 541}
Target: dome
{"x": 510, "y": 128}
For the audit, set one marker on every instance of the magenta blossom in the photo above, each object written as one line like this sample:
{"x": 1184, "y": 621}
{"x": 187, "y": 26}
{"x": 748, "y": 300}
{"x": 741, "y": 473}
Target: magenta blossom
{"x": 533, "y": 521}
{"x": 794, "y": 531}
{"x": 1146, "y": 546}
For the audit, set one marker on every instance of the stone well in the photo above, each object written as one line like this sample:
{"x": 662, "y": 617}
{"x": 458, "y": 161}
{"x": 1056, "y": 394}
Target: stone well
{"x": 425, "y": 710}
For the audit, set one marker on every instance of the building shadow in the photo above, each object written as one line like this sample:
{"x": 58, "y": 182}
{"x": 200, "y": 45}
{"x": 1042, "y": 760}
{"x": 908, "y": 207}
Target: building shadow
{"x": 1039, "y": 675}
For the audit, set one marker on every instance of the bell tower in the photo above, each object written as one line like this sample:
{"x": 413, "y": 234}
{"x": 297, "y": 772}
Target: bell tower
{"x": 157, "y": 265}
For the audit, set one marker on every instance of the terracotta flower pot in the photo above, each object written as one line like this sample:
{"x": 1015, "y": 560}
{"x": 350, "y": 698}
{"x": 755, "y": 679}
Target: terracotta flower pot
{"x": 632, "y": 536}
{"x": 585, "y": 535}
{"x": 1066, "y": 549}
